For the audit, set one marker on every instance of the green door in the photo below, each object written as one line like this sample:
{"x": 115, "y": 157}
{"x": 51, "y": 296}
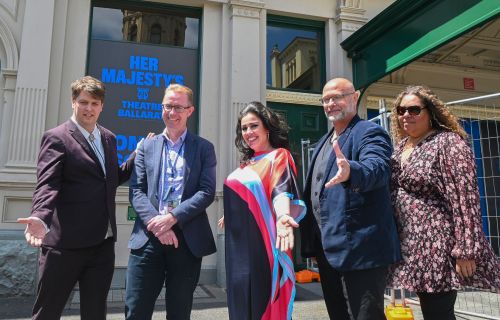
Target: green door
{"x": 306, "y": 123}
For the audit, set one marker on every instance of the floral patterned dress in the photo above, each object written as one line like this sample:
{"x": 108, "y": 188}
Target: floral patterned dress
{"x": 436, "y": 201}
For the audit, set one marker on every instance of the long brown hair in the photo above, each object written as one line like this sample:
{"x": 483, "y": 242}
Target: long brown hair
{"x": 441, "y": 117}
{"x": 272, "y": 121}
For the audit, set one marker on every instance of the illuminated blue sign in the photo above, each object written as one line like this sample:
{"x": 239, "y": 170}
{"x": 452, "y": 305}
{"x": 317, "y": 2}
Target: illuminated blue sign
{"x": 136, "y": 76}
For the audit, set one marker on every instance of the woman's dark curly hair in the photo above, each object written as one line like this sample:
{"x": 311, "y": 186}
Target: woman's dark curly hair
{"x": 273, "y": 122}
{"x": 441, "y": 117}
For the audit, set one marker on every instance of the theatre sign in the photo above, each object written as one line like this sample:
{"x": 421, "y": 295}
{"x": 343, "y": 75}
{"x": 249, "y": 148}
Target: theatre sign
{"x": 136, "y": 76}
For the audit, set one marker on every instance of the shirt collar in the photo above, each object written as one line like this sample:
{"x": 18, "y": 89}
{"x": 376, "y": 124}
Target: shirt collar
{"x": 180, "y": 140}
{"x": 85, "y": 133}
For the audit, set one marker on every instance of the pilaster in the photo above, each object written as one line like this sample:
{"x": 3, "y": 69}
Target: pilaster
{"x": 30, "y": 99}
{"x": 349, "y": 16}
{"x": 246, "y": 67}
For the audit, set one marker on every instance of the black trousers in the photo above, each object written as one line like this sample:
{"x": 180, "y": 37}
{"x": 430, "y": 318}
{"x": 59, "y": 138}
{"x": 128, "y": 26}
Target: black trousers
{"x": 156, "y": 264}
{"x": 353, "y": 295}
{"x": 61, "y": 269}
{"x": 438, "y": 306}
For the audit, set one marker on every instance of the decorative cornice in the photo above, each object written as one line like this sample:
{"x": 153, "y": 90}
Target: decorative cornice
{"x": 456, "y": 70}
{"x": 15, "y": 179}
{"x": 350, "y": 11}
{"x": 381, "y": 23}
{"x": 352, "y": 4}
{"x": 247, "y": 12}
{"x": 470, "y": 111}
{"x": 248, "y": 3}
{"x": 461, "y": 111}
{"x": 9, "y": 73}
{"x": 372, "y": 102}
{"x": 293, "y": 97}
{"x": 344, "y": 25}
{"x": 350, "y": 18}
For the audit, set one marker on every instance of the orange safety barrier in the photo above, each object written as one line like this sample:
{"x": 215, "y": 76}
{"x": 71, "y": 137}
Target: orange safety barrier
{"x": 306, "y": 276}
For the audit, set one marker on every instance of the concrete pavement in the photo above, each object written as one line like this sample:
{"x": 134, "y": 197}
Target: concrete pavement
{"x": 209, "y": 303}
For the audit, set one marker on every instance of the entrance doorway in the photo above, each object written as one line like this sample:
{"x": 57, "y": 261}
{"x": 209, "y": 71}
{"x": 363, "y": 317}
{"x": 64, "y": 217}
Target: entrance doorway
{"x": 306, "y": 123}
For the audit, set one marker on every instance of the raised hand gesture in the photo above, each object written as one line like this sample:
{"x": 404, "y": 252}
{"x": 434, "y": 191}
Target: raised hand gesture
{"x": 344, "y": 172}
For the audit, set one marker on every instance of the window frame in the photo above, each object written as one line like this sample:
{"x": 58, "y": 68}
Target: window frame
{"x": 307, "y": 25}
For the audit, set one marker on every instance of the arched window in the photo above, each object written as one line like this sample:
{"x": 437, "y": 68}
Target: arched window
{"x": 132, "y": 34}
{"x": 155, "y": 34}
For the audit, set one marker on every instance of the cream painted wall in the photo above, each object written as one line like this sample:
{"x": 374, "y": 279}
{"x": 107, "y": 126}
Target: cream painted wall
{"x": 232, "y": 73}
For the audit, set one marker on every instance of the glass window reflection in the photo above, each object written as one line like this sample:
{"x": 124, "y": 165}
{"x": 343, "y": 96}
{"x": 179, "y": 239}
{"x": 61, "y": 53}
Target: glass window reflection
{"x": 122, "y": 24}
{"x": 293, "y": 57}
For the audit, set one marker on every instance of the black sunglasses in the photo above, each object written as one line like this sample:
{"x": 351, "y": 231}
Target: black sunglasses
{"x": 412, "y": 110}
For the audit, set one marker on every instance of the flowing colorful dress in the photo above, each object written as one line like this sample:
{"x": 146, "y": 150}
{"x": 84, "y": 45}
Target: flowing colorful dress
{"x": 436, "y": 205}
{"x": 260, "y": 279}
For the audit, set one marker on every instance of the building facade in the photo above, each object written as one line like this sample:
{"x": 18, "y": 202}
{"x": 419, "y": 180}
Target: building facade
{"x": 230, "y": 52}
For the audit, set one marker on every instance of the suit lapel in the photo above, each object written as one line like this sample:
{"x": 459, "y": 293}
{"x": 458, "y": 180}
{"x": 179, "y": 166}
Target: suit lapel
{"x": 78, "y": 136}
{"x": 156, "y": 160}
{"x": 106, "y": 145}
{"x": 189, "y": 155}
{"x": 312, "y": 162}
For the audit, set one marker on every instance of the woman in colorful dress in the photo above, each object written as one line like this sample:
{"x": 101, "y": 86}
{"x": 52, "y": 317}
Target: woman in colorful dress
{"x": 436, "y": 201}
{"x": 262, "y": 205}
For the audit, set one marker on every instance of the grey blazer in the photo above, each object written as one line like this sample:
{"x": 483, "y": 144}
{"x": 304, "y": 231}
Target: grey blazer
{"x": 198, "y": 194}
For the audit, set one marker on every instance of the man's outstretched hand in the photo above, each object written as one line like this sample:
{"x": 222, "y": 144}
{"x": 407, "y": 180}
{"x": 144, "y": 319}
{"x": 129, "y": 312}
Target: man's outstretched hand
{"x": 35, "y": 230}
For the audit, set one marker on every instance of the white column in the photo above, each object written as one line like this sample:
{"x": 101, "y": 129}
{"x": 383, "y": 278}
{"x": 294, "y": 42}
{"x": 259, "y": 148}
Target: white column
{"x": 349, "y": 17}
{"x": 247, "y": 64}
{"x": 233, "y": 74}
{"x": 30, "y": 100}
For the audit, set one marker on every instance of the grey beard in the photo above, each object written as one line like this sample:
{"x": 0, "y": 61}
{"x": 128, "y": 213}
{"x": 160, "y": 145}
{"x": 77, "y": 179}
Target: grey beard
{"x": 340, "y": 116}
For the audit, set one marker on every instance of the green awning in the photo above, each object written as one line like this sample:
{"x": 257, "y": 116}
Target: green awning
{"x": 409, "y": 29}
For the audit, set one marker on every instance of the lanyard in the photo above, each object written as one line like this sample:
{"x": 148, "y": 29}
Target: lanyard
{"x": 173, "y": 167}
{"x": 167, "y": 163}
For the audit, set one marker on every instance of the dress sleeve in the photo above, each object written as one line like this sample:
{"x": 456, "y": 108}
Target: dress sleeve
{"x": 284, "y": 183}
{"x": 462, "y": 196}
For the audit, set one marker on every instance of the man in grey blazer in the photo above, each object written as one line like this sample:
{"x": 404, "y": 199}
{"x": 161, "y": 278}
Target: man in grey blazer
{"x": 172, "y": 185}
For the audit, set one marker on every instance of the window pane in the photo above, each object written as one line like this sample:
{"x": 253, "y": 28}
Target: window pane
{"x": 293, "y": 58}
{"x": 145, "y": 27}
{"x": 155, "y": 35}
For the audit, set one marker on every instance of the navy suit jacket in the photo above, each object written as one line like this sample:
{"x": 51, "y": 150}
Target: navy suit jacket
{"x": 73, "y": 196}
{"x": 198, "y": 194}
{"x": 357, "y": 228}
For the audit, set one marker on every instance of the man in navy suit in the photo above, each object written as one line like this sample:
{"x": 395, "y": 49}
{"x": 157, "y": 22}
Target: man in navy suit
{"x": 172, "y": 185}
{"x": 349, "y": 226}
{"x": 73, "y": 215}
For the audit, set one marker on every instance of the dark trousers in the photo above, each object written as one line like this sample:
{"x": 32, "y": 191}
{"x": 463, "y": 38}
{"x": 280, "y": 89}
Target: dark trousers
{"x": 353, "y": 295}
{"x": 153, "y": 265}
{"x": 61, "y": 269}
{"x": 438, "y": 306}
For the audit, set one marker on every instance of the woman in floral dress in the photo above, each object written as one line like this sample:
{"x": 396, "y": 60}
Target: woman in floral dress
{"x": 436, "y": 201}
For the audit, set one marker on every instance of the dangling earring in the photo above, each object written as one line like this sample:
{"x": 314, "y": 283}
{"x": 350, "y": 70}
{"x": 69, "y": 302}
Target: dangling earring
{"x": 268, "y": 135}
